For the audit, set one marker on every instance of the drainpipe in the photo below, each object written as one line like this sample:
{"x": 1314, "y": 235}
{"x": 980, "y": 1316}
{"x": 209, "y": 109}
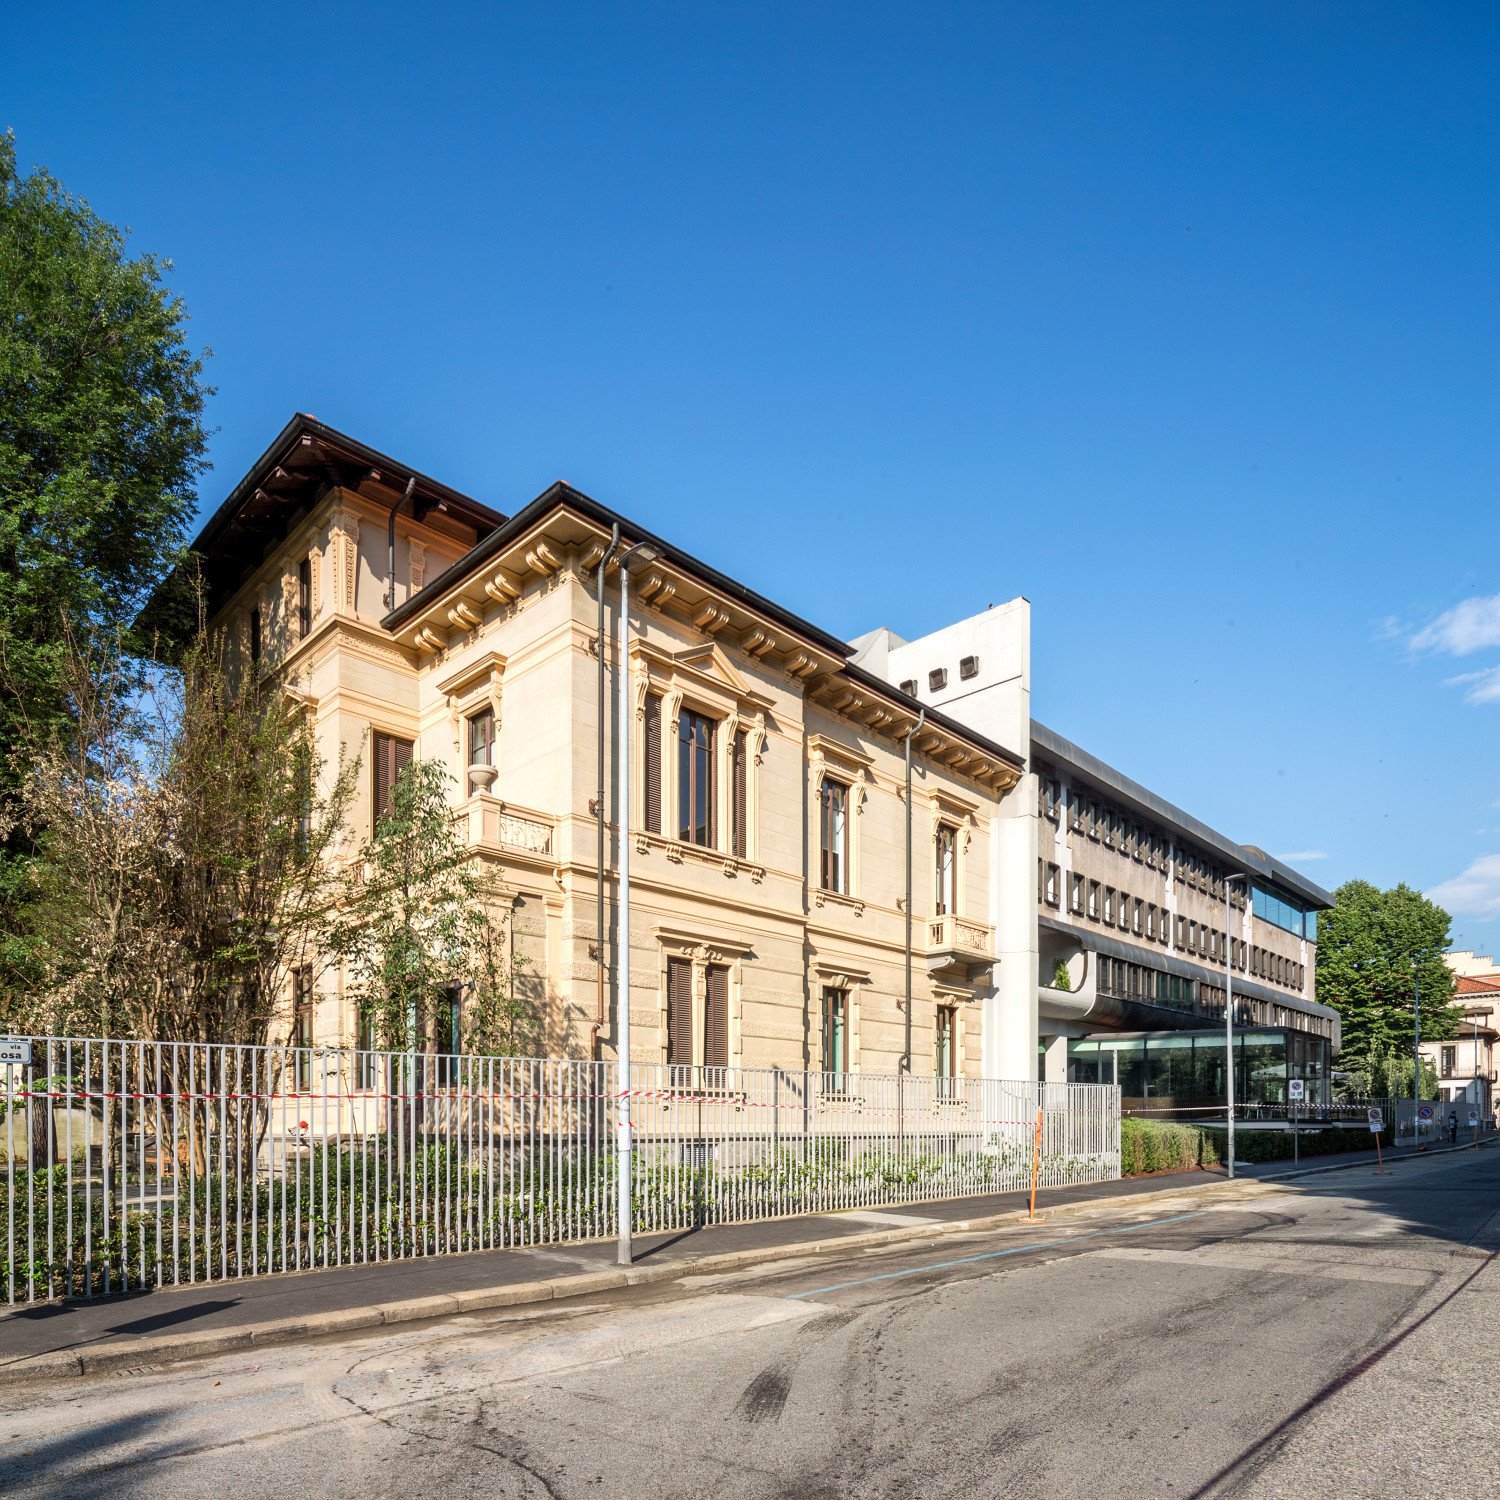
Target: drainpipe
{"x": 643, "y": 552}
{"x": 906, "y": 1053}
{"x": 390, "y": 544}
{"x": 599, "y": 1016}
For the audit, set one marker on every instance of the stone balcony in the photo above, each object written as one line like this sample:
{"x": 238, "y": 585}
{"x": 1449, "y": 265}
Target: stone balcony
{"x": 957, "y": 947}
{"x": 514, "y": 835}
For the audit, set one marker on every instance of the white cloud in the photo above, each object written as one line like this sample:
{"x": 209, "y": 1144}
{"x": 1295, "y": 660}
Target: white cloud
{"x": 1470, "y": 626}
{"x": 1302, "y": 856}
{"x": 1480, "y": 687}
{"x": 1474, "y": 893}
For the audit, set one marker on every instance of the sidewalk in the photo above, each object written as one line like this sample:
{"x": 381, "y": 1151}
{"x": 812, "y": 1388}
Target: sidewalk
{"x": 49, "y": 1340}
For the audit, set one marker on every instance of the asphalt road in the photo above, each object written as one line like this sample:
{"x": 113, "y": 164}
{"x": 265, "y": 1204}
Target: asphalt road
{"x": 1333, "y": 1339}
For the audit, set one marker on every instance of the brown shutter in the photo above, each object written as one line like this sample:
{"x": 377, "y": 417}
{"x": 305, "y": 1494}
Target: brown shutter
{"x": 391, "y": 756}
{"x": 679, "y": 1012}
{"x": 653, "y": 763}
{"x": 710, "y": 791}
{"x": 380, "y": 754}
{"x": 741, "y": 774}
{"x": 716, "y": 1018}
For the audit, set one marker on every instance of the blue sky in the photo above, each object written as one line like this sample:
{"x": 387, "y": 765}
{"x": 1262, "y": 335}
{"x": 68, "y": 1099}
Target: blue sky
{"x": 1181, "y": 320}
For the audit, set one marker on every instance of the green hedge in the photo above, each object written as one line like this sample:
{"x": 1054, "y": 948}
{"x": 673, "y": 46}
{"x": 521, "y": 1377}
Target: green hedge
{"x": 1157, "y": 1146}
{"x": 1276, "y": 1145}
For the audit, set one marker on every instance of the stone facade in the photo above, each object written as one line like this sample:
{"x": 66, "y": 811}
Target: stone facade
{"x": 503, "y": 618}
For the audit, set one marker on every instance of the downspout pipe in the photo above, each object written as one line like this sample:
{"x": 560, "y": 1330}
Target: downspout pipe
{"x": 910, "y": 734}
{"x": 390, "y": 544}
{"x": 599, "y": 1008}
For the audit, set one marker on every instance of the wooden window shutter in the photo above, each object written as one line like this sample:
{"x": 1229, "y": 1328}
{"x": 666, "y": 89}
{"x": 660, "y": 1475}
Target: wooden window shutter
{"x": 741, "y": 844}
{"x": 391, "y": 757}
{"x": 653, "y": 763}
{"x": 679, "y": 1012}
{"x": 716, "y": 1018}
{"x": 380, "y": 753}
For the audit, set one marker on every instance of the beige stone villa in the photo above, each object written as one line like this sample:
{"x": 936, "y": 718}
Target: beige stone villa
{"x": 768, "y": 823}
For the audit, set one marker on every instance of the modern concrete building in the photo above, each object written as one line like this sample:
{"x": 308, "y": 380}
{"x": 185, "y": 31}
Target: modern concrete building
{"x": 1132, "y": 935}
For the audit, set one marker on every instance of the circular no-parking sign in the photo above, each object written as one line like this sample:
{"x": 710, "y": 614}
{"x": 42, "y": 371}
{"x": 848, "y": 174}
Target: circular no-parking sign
{"x": 1425, "y": 1112}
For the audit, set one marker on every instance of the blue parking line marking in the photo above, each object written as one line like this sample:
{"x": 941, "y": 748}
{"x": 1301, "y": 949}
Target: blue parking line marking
{"x": 969, "y": 1260}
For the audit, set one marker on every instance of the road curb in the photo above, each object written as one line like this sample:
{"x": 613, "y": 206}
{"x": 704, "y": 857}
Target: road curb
{"x": 146, "y": 1353}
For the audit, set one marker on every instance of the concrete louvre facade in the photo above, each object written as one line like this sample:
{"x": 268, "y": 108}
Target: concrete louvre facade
{"x": 497, "y": 616}
{"x": 1129, "y": 905}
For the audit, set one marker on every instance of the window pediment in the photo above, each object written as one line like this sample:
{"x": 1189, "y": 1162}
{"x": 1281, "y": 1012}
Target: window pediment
{"x": 839, "y": 757}
{"x": 703, "y": 673}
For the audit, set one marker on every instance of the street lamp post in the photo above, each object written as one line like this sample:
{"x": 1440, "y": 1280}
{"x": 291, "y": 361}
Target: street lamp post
{"x": 1416, "y": 1051}
{"x": 1229, "y": 881}
{"x": 642, "y": 552}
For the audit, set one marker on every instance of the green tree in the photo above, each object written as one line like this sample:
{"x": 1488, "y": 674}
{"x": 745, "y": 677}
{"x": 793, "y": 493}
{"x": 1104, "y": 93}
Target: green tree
{"x": 185, "y": 835}
{"x": 101, "y": 441}
{"x": 418, "y": 921}
{"x": 1374, "y": 948}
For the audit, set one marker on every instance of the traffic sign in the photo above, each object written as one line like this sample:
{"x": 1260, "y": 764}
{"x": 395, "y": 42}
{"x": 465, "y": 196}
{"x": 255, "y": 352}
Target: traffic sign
{"x": 1296, "y": 1090}
{"x": 1424, "y": 1112}
{"x": 1377, "y": 1121}
{"x": 1473, "y": 1118}
{"x": 15, "y": 1051}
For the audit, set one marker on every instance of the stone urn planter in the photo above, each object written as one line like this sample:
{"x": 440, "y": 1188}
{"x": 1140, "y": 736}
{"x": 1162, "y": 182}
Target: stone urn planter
{"x": 482, "y": 778}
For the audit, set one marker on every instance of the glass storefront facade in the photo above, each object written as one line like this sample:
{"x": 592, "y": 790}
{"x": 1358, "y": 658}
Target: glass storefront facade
{"x": 1185, "y": 1069}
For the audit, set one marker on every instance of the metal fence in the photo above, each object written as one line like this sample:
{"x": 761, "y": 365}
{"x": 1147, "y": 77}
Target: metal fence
{"x": 131, "y": 1165}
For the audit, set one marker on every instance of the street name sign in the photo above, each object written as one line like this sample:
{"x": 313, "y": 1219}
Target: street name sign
{"x": 15, "y": 1051}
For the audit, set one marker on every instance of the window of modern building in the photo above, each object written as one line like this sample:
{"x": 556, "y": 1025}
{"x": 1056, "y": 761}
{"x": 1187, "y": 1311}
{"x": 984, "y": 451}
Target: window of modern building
{"x": 968, "y": 667}
{"x": 695, "y": 779}
{"x": 1109, "y": 906}
{"x": 1284, "y": 914}
{"x": 304, "y": 599}
{"x": 833, "y": 824}
{"x": 1077, "y": 809}
{"x": 909, "y": 687}
{"x": 1052, "y": 886}
{"x": 1151, "y": 921}
{"x": 937, "y": 679}
{"x": 390, "y": 756}
{"x": 481, "y": 741}
{"x": 1124, "y": 912}
{"x": 1075, "y": 893}
{"x": 1094, "y": 899}
{"x": 1137, "y": 916}
{"x": 836, "y": 1038}
{"x": 945, "y": 869}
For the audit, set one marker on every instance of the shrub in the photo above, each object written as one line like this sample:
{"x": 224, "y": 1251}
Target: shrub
{"x": 1157, "y": 1146}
